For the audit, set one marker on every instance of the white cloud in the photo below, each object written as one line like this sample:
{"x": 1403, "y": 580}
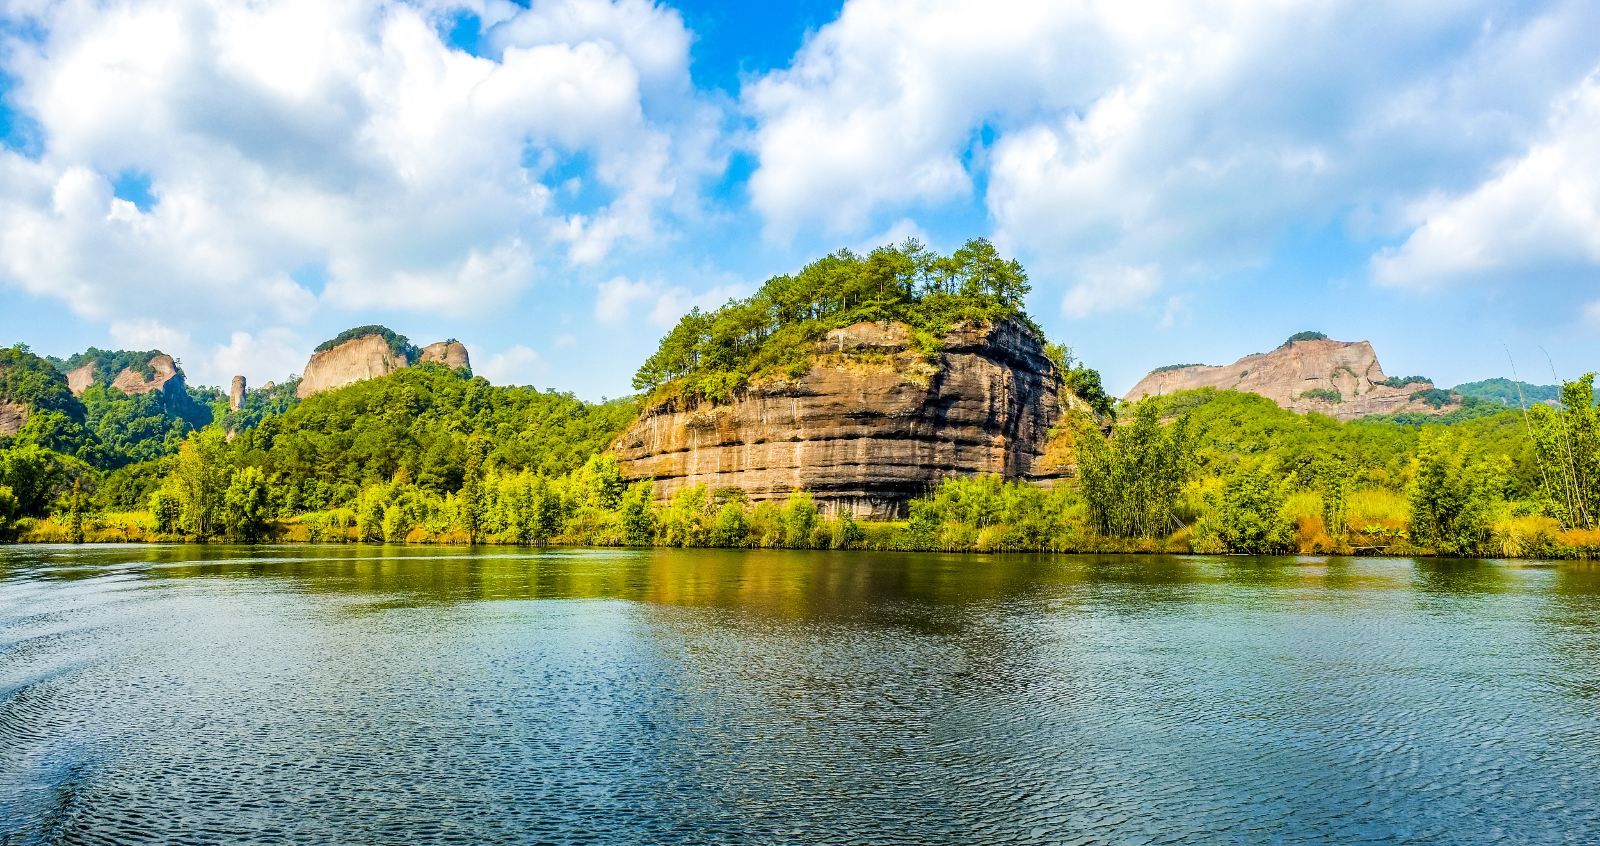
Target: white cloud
{"x": 1188, "y": 136}
{"x": 515, "y": 365}
{"x": 1111, "y": 289}
{"x": 268, "y": 355}
{"x": 619, "y": 300}
{"x": 346, "y": 138}
{"x": 1540, "y": 211}
{"x": 146, "y": 334}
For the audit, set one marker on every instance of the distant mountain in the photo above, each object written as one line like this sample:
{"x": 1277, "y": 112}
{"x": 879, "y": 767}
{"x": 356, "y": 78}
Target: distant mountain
{"x": 1310, "y": 372}
{"x": 1506, "y": 392}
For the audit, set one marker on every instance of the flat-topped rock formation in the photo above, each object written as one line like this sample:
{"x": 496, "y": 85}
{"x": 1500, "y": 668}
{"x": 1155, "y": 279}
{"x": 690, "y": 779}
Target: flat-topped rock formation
{"x": 369, "y": 356}
{"x": 1337, "y": 378}
{"x": 869, "y": 426}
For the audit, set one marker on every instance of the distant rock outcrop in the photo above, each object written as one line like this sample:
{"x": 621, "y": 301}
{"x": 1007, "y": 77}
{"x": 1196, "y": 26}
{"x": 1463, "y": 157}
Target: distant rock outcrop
{"x": 236, "y": 394}
{"x": 870, "y": 425}
{"x": 1308, "y": 373}
{"x": 164, "y": 376}
{"x": 452, "y": 354}
{"x": 12, "y": 416}
{"x": 367, "y": 353}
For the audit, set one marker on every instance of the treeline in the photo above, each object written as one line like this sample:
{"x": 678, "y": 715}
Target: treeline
{"x": 1207, "y": 472}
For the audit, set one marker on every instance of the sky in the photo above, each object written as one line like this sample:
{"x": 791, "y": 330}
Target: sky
{"x": 555, "y": 182}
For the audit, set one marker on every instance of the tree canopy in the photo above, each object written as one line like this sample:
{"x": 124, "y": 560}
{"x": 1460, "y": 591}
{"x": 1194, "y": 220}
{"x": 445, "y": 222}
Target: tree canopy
{"x": 710, "y": 354}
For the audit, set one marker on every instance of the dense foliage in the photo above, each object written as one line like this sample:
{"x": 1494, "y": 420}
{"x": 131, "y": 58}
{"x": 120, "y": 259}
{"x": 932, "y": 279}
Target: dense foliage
{"x": 1509, "y": 392}
{"x": 109, "y": 363}
{"x": 711, "y": 354}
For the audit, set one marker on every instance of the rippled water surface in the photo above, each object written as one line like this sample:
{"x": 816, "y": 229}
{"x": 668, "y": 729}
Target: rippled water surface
{"x": 343, "y": 695}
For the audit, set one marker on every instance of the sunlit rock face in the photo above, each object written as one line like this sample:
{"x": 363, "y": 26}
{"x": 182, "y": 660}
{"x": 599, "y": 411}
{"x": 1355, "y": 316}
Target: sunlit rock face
{"x": 366, "y": 357}
{"x": 452, "y": 354}
{"x": 872, "y": 423}
{"x": 1337, "y": 378}
{"x": 165, "y": 377}
{"x": 369, "y": 357}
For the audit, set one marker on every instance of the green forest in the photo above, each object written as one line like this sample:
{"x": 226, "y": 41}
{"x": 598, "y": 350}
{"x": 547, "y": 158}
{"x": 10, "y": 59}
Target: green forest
{"x": 434, "y": 455}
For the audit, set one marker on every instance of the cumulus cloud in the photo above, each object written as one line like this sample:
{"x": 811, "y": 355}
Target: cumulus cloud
{"x": 619, "y": 300}
{"x": 1188, "y": 136}
{"x": 1111, "y": 289}
{"x": 305, "y": 153}
{"x": 263, "y": 356}
{"x": 1540, "y": 211}
{"x": 515, "y": 365}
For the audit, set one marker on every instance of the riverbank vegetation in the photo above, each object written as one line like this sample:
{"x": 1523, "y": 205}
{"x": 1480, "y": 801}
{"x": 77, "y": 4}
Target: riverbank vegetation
{"x": 428, "y": 455}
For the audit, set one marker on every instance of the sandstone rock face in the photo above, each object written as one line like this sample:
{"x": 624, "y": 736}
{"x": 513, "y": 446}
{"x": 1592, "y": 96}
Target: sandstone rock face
{"x": 1288, "y": 373}
{"x": 236, "y": 394}
{"x": 166, "y": 378}
{"x": 361, "y": 358}
{"x": 12, "y": 416}
{"x": 870, "y": 425}
{"x": 452, "y": 354}
{"x": 79, "y": 379}
{"x": 369, "y": 357}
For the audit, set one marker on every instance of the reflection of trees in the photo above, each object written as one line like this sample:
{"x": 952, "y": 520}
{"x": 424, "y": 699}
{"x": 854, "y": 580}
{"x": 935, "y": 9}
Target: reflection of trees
{"x": 1573, "y": 626}
{"x": 1461, "y": 577}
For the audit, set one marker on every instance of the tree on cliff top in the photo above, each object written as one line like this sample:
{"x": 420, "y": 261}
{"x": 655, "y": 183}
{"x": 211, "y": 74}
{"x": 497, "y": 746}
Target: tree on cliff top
{"x": 399, "y": 344}
{"x": 710, "y": 354}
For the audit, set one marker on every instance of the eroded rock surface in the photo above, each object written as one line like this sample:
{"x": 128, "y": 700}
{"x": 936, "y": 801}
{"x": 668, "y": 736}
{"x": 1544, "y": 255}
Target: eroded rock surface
{"x": 451, "y": 354}
{"x": 12, "y": 416}
{"x": 369, "y": 357}
{"x": 872, "y": 423}
{"x": 1337, "y": 378}
{"x": 166, "y": 377}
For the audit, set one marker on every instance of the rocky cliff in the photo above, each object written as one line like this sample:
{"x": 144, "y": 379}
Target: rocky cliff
{"x": 1337, "y": 378}
{"x": 870, "y": 425}
{"x": 452, "y": 354}
{"x": 370, "y": 356}
{"x": 12, "y": 416}
{"x": 164, "y": 377}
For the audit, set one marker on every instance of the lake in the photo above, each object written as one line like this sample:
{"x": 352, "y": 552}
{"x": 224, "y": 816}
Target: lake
{"x": 413, "y": 696}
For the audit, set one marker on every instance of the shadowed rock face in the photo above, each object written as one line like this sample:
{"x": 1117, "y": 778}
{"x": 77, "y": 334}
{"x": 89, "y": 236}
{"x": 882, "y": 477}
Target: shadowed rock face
{"x": 12, "y": 416}
{"x": 870, "y": 425}
{"x": 166, "y": 378}
{"x": 1288, "y": 373}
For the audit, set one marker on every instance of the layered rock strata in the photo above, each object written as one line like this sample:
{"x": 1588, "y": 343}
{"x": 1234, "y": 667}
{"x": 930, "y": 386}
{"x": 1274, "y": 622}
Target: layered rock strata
{"x": 1337, "y": 378}
{"x": 872, "y": 423}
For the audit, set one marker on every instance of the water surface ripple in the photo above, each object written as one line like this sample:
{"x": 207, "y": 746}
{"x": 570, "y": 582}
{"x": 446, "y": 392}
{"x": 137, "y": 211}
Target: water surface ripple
{"x": 385, "y": 695}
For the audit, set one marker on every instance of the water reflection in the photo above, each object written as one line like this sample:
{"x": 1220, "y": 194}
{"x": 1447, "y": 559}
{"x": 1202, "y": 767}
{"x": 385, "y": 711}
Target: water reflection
{"x": 328, "y": 694}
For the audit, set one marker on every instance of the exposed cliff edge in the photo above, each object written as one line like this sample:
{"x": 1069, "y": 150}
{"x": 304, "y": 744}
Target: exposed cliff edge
{"x": 369, "y": 352}
{"x": 1309, "y": 373}
{"x": 871, "y": 424}
{"x": 132, "y": 373}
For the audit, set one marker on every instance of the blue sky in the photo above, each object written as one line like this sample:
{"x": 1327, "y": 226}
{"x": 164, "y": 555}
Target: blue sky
{"x": 554, "y": 183}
